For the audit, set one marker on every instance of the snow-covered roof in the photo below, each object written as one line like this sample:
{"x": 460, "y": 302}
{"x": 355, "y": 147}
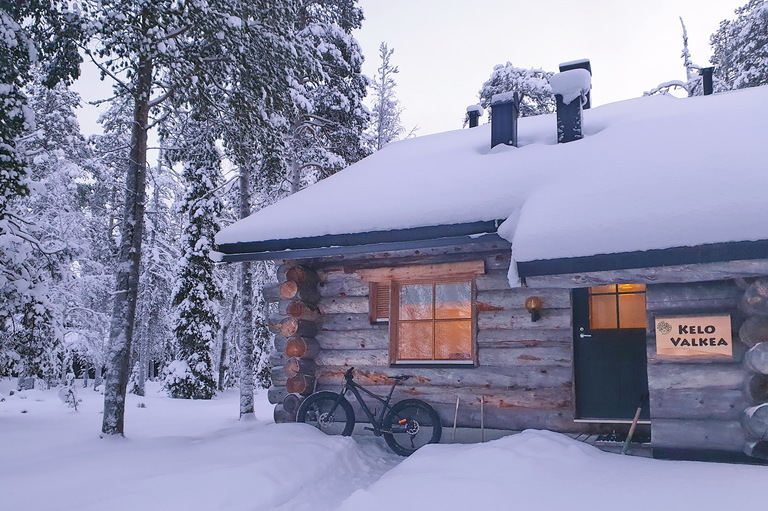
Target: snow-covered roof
{"x": 650, "y": 173}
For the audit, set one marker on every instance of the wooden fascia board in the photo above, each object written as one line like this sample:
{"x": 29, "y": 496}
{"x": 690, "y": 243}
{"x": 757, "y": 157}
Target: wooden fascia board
{"x": 427, "y": 272}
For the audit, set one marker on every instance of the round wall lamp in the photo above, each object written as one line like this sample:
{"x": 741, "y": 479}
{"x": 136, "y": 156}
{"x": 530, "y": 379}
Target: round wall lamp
{"x": 533, "y": 304}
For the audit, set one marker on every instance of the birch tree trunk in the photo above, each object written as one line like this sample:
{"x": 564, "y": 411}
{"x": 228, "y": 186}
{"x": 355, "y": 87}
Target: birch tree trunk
{"x": 129, "y": 259}
{"x": 246, "y": 312}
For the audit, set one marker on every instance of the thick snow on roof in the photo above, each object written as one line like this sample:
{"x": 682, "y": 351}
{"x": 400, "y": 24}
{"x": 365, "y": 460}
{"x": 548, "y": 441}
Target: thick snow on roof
{"x": 650, "y": 173}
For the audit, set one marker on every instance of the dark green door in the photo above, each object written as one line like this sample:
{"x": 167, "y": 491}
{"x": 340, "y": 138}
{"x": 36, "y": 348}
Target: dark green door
{"x": 610, "y": 351}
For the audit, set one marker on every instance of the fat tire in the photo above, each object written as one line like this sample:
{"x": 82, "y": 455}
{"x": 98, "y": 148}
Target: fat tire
{"x": 317, "y": 403}
{"x": 412, "y": 409}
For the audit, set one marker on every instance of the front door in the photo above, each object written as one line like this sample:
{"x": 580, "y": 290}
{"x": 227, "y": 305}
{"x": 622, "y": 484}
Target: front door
{"x": 610, "y": 351}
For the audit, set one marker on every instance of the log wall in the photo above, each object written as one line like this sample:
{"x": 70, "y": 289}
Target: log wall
{"x": 524, "y": 371}
{"x": 696, "y": 403}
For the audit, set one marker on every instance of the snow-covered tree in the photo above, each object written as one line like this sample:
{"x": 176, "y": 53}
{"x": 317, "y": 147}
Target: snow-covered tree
{"x": 740, "y": 47}
{"x": 694, "y": 83}
{"x": 198, "y": 290}
{"x": 386, "y": 125}
{"x": 163, "y": 245}
{"x": 32, "y": 33}
{"x": 159, "y": 54}
{"x": 330, "y": 133}
{"x": 532, "y": 85}
{"x": 46, "y": 239}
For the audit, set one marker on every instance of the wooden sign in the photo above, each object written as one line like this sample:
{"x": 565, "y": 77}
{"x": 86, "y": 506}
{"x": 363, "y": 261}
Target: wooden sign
{"x": 694, "y": 336}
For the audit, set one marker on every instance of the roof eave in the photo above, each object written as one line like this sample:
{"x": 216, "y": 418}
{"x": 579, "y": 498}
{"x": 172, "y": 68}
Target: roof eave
{"x": 361, "y": 243}
{"x": 675, "y": 256}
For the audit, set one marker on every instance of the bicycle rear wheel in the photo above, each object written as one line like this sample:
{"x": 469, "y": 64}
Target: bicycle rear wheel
{"x": 411, "y": 424}
{"x": 322, "y": 411}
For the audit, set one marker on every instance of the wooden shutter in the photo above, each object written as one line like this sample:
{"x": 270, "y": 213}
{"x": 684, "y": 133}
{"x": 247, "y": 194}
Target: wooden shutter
{"x": 379, "y": 301}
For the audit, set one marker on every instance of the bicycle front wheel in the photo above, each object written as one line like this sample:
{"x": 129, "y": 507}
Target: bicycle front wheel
{"x": 329, "y": 412}
{"x": 411, "y": 424}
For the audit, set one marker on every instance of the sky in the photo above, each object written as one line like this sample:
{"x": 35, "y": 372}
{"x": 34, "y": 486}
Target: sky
{"x": 446, "y": 49}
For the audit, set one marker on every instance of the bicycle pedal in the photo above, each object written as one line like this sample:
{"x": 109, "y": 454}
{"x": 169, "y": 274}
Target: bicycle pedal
{"x": 368, "y": 429}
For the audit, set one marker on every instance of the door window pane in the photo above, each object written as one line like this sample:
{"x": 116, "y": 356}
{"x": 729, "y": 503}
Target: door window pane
{"x": 602, "y": 312}
{"x": 603, "y": 289}
{"x": 416, "y": 302}
{"x": 632, "y": 310}
{"x": 453, "y": 301}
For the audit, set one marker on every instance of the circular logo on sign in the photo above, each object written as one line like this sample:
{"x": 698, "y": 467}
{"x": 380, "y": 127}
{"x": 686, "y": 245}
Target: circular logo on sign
{"x": 664, "y": 327}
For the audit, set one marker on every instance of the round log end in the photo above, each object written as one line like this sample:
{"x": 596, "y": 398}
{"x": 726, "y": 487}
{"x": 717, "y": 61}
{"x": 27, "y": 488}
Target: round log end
{"x": 292, "y": 402}
{"x": 289, "y": 290}
{"x": 754, "y": 420}
{"x": 289, "y": 327}
{"x": 757, "y": 449}
{"x": 301, "y": 275}
{"x": 303, "y": 384}
{"x": 756, "y": 358}
{"x": 754, "y": 330}
{"x": 756, "y": 389}
{"x": 281, "y": 415}
{"x": 302, "y": 347}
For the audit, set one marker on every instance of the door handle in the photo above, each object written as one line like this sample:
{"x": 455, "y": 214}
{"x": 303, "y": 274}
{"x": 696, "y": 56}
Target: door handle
{"x": 582, "y": 334}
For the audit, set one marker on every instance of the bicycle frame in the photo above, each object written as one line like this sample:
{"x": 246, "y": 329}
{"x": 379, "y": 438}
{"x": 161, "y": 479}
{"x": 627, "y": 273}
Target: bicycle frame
{"x": 351, "y": 386}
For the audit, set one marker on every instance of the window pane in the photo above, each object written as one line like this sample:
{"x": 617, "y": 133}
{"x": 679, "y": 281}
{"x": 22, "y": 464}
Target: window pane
{"x": 631, "y": 288}
{"x": 414, "y": 341}
{"x": 602, "y": 312}
{"x": 416, "y": 302}
{"x": 453, "y": 340}
{"x": 632, "y": 311}
{"x": 602, "y": 289}
{"x": 453, "y": 300}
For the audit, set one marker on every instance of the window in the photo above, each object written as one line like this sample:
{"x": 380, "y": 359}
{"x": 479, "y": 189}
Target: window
{"x": 431, "y": 311}
{"x": 432, "y": 322}
{"x": 617, "y": 306}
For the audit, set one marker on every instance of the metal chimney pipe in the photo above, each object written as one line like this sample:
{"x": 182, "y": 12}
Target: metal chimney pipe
{"x": 504, "y": 111}
{"x": 579, "y": 64}
{"x": 570, "y": 89}
{"x": 473, "y": 114}
{"x": 706, "y": 78}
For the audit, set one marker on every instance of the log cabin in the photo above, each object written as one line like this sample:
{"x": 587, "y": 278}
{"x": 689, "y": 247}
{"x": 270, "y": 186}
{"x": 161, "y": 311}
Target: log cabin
{"x": 555, "y": 272}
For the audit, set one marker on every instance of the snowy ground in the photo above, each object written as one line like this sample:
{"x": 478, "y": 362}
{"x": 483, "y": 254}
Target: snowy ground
{"x": 196, "y": 455}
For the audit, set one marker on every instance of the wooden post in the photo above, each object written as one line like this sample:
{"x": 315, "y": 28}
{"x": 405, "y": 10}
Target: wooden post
{"x": 482, "y": 419}
{"x": 455, "y": 418}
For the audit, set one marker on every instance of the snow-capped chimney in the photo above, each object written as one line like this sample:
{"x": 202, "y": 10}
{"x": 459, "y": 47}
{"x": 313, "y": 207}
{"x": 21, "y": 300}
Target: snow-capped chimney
{"x": 570, "y": 89}
{"x": 504, "y": 111}
{"x": 579, "y": 64}
{"x": 473, "y": 114}
{"x": 706, "y": 79}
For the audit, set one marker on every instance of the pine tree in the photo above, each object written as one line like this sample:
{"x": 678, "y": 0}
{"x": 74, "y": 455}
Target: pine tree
{"x": 385, "y": 122}
{"x": 740, "y": 47}
{"x": 330, "y": 133}
{"x": 532, "y": 85}
{"x": 198, "y": 291}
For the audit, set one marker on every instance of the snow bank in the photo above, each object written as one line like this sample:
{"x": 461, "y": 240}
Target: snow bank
{"x": 549, "y": 471}
{"x": 651, "y": 173}
{"x": 192, "y": 455}
{"x": 177, "y": 455}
